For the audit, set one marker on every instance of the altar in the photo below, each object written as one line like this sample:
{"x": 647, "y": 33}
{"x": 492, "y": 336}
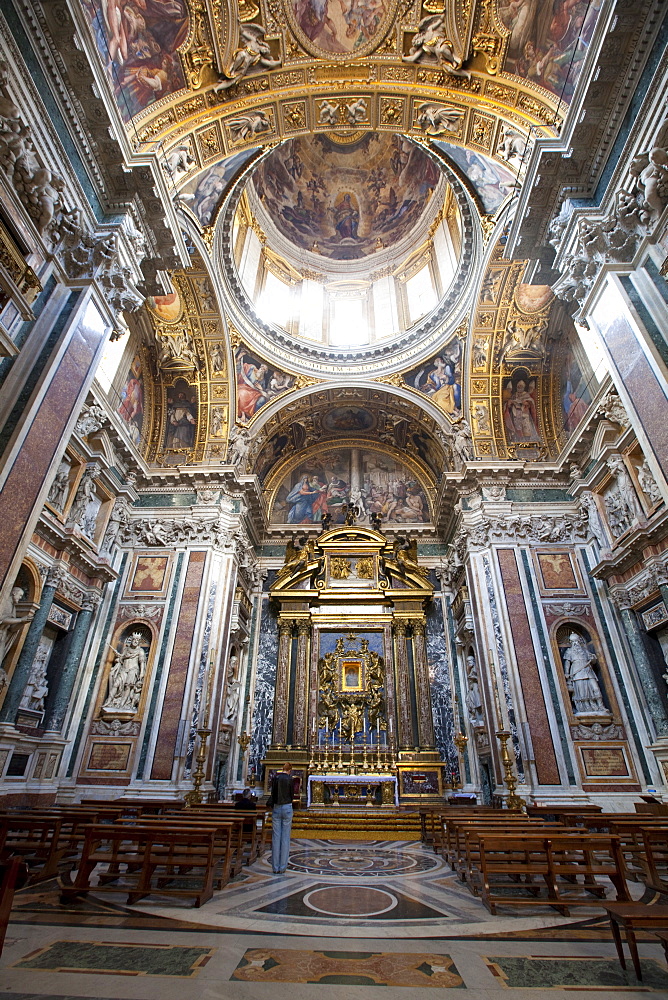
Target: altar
{"x": 358, "y": 786}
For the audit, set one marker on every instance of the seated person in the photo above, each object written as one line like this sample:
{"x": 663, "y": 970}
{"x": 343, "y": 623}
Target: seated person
{"x": 245, "y": 801}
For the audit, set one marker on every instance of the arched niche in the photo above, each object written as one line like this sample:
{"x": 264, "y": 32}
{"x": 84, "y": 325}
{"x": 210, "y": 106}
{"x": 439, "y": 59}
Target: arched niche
{"x": 109, "y": 706}
{"x": 591, "y": 669}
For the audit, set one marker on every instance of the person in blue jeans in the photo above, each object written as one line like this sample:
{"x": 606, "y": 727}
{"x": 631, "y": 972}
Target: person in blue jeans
{"x": 280, "y": 802}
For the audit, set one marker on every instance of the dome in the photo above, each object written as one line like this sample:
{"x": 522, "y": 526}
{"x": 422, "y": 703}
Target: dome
{"x": 345, "y": 247}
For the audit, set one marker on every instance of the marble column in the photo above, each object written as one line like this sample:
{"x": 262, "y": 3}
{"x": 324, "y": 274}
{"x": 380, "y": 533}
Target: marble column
{"x": 299, "y": 720}
{"x": 59, "y": 699}
{"x": 280, "y": 727}
{"x": 21, "y": 673}
{"x": 422, "y": 687}
{"x": 654, "y": 698}
{"x": 405, "y": 736}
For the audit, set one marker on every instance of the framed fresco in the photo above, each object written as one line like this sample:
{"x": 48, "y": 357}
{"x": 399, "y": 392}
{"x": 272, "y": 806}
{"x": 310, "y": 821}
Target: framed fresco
{"x": 257, "y": 383}
{"x": 131, "y": 407}
{"x": 549, "y": 41}
{"x": 557, "y": 572}
{"x": 440, "y": 379}
{"x": 149, "y": 575}
{"x": 492, "y": 181}
{"x": 336, "y": 30}
{"x": 181, "y": 416}
{"x": 521, "y": 408}
{"x": 204, "y": 192}
{"x": 331, "y": 478}
{"x": 138, "y": 44}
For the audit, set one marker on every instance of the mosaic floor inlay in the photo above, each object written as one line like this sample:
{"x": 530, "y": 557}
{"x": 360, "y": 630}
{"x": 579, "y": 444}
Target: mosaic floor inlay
{"x": 532, "y": 972}
{"x": 367, "y": 862}
{"x": 128, "y": 959}
{"x": 346, "y": 968}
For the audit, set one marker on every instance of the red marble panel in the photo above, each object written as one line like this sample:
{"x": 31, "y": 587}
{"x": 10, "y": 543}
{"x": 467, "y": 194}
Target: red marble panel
{"x": 24, "y": 482}
{"x": 165, "y": 750}
{"x": 532, "y": 690}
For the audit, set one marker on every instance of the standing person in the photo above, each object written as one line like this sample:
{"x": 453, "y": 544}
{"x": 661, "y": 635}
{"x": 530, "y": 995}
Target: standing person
{"x": 280, "y": 802}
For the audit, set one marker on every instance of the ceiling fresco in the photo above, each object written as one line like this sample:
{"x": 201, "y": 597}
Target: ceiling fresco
{"x": 138, "y": 42}
{"x": 346, "y": 201}
{"x": 492, "y": 181}
{"x": 549, "y": 41}
{"x": 203, "y": 193}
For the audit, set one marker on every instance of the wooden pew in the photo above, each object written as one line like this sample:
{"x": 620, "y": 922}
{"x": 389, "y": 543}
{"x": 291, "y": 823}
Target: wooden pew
{"x": 255, "y": 825}
{"x": 191, "y": 821}
{"x": 559, "y": 870}
{"x": 13, "y": 876}
{"x": 655, "y": 858}
{"x": 153, "y": 858}
{"x": 37, "y": 840}
{"x": 568, "y": 814}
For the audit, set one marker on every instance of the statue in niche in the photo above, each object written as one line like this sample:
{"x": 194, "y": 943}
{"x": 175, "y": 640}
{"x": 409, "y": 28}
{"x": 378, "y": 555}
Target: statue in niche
{"x": 10, "y": 621}
{"x": 60, "y": 487}
{"x": 581, "y": 679}
{"x": 625, "y": 488}
{"x": 473, "y": 699}
{"x": 37, "y": 687}
{"x": 616, "y": 513}
{"x": 648, "y": 483}
{"x": 126, "y": 677}
{"x": 594, "y": 520}
{"x": 233, "y": 692}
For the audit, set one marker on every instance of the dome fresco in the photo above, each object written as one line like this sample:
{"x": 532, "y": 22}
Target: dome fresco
{"x": 346, "y": 201}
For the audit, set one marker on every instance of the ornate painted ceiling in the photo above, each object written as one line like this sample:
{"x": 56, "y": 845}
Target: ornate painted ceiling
{"x": 212, "y": 87}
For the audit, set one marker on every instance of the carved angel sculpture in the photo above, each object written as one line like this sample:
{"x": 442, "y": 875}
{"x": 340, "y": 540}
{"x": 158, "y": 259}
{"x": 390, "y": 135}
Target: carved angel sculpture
{"x": 431, "y": 41}
{"x": 252, "y": 52}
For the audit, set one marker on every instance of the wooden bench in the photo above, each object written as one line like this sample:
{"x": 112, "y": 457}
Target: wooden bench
{"x": 235, "y": 824}
{"x": 568, "y": 813}
{"x": 632, "y": 917}
{"x": 37, "y": 840}
{"x": 13, "y": 876}
{"x": 559, "y": 870}
{"x": 156, "y": 858}
{"x": 254, "y": 829}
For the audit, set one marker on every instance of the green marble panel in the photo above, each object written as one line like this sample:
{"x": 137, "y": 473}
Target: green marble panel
{"x": 526, "y": 972}
{"x": 97, "y": 956}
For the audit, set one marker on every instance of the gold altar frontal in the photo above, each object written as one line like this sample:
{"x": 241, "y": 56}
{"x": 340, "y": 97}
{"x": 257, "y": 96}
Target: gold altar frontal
{"x": 352, "y": 694}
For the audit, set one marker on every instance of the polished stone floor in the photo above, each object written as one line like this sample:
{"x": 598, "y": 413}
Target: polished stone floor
{"x": 363, "y": 920}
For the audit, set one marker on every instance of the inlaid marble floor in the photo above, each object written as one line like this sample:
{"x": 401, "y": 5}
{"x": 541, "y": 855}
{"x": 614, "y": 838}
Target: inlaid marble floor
{"x": 362, "y": 921}
{"x": 391, "y": 889}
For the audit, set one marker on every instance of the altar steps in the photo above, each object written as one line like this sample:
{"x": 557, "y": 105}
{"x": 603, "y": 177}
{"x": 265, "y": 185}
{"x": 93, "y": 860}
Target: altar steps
{"x": 344, "y": 823}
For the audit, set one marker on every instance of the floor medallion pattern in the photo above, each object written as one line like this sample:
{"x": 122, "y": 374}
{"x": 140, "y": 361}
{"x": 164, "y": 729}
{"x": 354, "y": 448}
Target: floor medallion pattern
{"x": 381, "y": 889}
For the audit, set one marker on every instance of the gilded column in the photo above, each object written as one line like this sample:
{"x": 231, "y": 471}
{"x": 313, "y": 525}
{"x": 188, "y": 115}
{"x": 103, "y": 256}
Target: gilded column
{"x": 406, "y": 736}
{"x": 422, "y": 687}
{"x": 280, "y": 729}
{"x": 299, "y": 721}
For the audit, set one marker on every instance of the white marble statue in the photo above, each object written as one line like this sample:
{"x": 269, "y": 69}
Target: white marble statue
{"x": 37, "y": 687}
{"x": 581, "y": 679}
{"x": 473, "y": 699}
{"x": 594, "y": 520}
{"x": 648, "y": 483}
{"x": 60, "y": 486}
{"x": 10, "y": 622}
{"x": 627, "y": 493}
{"x": 126, "y": 677}
{"x": 233, "y": 693}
